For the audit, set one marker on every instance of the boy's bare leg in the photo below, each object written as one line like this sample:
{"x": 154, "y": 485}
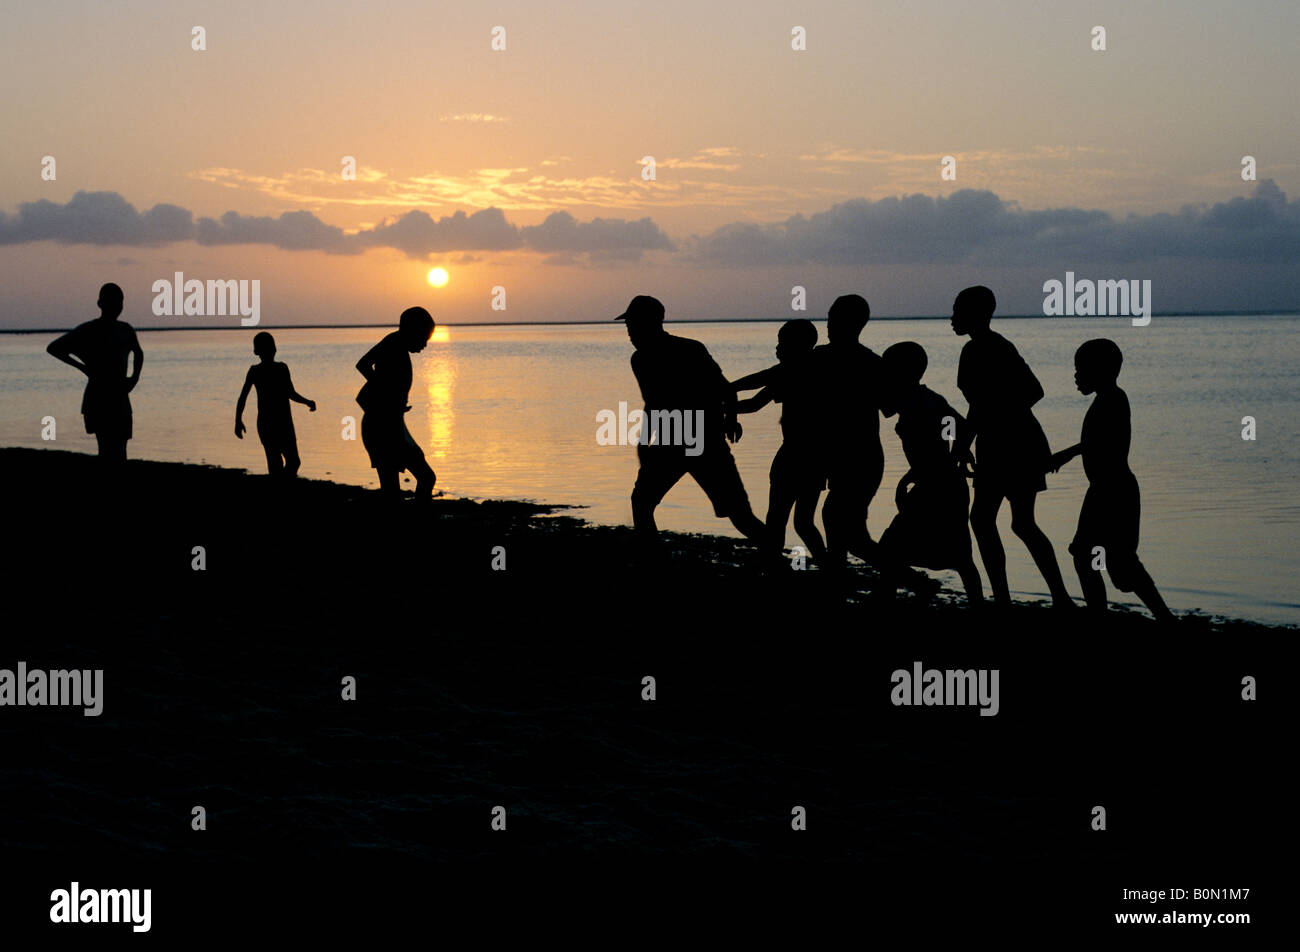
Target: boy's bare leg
{"x": 749, "y": 524}
{"x": 111, "y": 448}
{"x": 845, "y": 519}
{"x": 643, "y": 515}
{"x": 425, "y": 478}
{"x": 1090, "y": 580}
{"x": 970, "y": 580}
{"x": 1145, "y": 588}
{"x": 779, "y": 503}
{"x": 1040, "y": 547}
{"x": 390, "y": 483}
{"x": 984, "y": 523}
{"x": 805, "y": 524}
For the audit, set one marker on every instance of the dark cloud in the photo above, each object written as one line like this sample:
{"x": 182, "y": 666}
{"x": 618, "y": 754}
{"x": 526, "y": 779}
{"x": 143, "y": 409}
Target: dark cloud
{"x": 608, "y": 237}
{"x": 95, "y": 218}
{"x": 980, "y": 228}
{"x": 107, "y": 218}
{"x": 293, "y": 231}
{"x": 419, "y": 235}
{"x": 967, "y": 227}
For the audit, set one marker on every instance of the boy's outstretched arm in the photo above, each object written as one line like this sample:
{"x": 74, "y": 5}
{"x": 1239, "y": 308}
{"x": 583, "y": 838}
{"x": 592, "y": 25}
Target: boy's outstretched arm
{"x": 754, "y": 381}
{"x": 366, "y": 365}
{"x": 295, "y": 395}
{"x": 756, "y": 402}
{"x": 240, "y": 429}
{"x": 1064, "y": 456}
{"x": 62, "y": 349}
{"x": 731, "y": 428}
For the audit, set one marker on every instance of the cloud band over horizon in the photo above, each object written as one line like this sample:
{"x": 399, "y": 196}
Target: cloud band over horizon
{"x": 976, "y": 227}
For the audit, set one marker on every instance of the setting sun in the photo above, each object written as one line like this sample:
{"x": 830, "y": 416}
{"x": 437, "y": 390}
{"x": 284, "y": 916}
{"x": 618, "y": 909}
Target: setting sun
{"x": 438, "y": 277}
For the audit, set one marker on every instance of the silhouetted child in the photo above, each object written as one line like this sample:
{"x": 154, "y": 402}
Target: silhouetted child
{"x": 1108, "y": 522}
{"x": 678, "y": 377}
{"x": 930, "y": 529}
{"x": 849, "y": 372}
{"x": 274, "y": 415}
{"x": 100, "y": 349}
{"x": 798, "y": 473}
{"x": 388, "y": 373}
{"x": 1011, "y": 448}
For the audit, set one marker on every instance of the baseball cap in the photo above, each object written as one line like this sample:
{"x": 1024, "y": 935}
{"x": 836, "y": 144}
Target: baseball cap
{"x": 643, "y": 307}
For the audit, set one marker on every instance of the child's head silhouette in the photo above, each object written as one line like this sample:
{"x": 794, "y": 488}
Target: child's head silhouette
{"x": 416, "y": 327}
{"x": 110, "y": 301}
{"x": 973, "y": 309}
{"x": 846, "y": 318}
{"x": 902, "y": 366}
{"x": 795, "y": 338}
{"x": 264, "y": 345}
{"x": 1096, "y": 364}
{"x": 905, "y": 362}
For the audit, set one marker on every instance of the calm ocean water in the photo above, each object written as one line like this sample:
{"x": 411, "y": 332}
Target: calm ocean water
{"x": 511, "y": 412}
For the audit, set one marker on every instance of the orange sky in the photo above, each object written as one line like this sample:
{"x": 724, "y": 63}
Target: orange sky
{"x": 743, "y": 128}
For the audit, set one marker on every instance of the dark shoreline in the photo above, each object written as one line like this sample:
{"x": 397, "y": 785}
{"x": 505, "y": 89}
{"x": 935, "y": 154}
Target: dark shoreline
{"x": 523, "y": 688}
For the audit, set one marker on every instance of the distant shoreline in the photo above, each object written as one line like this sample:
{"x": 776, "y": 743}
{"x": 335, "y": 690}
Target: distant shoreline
{"x": 741, "y": 320}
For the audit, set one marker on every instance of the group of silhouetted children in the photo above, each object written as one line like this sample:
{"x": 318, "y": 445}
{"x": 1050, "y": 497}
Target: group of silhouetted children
{"x": 103, "y": 348}
{"x": 830, "y": 397}
{"x": 388, "y": 373}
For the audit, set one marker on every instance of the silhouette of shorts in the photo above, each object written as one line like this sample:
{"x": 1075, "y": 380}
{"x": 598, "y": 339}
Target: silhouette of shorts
{"x": 278, "y": 435}
{"x": 714, "y": 470}
{"x": 1011, "y": 457}
{"x": 389, "y": 442}
{"x": 797, "y": 470}
{"x": 107, "y": 413}
{"x": 1110, "y": 518}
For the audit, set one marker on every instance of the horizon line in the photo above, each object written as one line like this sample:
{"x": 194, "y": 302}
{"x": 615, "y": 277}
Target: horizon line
{"x": 1267, "y": 312}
